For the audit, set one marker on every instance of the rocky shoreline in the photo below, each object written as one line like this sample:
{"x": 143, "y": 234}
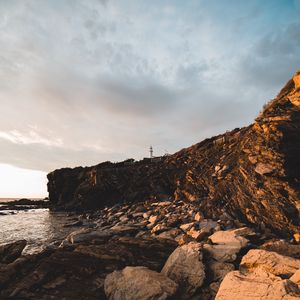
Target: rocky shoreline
{"x": 218, "y": 220}
{"x": 155, "y": 250}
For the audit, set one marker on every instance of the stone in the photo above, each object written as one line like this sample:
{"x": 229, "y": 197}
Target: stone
{"x": 170, "y": 234}
{"x": 198, "y": 216}
{"x": 222, "y": 253}
{"x": 12, "y": 251}
{"x": 256, "y": 285}
{"x": 159, "y": 228}
{"x": 219, "y": 269}
{"x": 271, "y": 262}
{"x": 264, "y": 169}
{"x": 227, "y": 244}
{"x": 296, "y": 277}
{"x": 233, "y": 237}
{"x": 164, "y": 203}
{"x": 187, "y": 227}
{"x": 183, "y": 239}
{"x": 297, "y": 237}
{"x": 135, "y": 283}
{"x": 185, "y": 267}
{"x": 152, "y": 219}
{"x": 199, "y": 235}
{"x": 87, "y": 234}
{"x": 208, "y": 224}
{"x": 282, "y": 247}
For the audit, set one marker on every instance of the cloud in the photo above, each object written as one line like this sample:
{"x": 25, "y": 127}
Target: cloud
{"x": 87, "y": 81}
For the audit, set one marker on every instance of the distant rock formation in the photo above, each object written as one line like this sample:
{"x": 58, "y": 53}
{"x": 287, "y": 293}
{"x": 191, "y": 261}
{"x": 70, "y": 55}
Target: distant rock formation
{"x": 252, "y": 173}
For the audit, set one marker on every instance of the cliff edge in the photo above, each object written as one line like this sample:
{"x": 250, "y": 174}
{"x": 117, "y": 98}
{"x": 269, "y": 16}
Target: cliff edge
{"x": 252, "y": 173}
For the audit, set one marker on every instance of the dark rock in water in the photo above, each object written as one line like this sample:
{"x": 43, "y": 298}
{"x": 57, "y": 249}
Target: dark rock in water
{"x": 10, "y": 252}
{"x": 251, "y": 174}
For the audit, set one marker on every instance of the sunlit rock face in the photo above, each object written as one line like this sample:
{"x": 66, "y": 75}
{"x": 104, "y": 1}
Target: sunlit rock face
{"x": 252, "y": 173}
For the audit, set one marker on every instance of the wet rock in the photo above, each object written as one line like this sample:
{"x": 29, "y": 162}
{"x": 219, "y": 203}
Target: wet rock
{"x": 271, "y": 262}
{"x": 139, "y": 283}
{"x": 256, "y": 285}
{"x": 185, "y": 267}
{"x": 10, "y": 252}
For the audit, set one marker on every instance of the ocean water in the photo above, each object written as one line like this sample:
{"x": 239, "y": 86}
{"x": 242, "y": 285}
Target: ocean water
{"x": 39, "y": 227}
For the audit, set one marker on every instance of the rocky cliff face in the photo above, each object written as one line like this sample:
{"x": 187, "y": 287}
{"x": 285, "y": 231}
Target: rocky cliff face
{"x": 252, "y": 173}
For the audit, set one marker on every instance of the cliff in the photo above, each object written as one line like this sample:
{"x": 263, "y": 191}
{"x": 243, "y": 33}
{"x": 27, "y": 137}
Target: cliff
{"x": 252, "y": 173}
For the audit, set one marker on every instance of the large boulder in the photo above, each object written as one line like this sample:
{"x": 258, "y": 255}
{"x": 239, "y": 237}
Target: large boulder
{"x": 256, "y": 285}
{"x": 271, "y": 262}
{"x": 135, "y": 283}
{"x": 10, "y": 252}
{"x": 185, "y": 267}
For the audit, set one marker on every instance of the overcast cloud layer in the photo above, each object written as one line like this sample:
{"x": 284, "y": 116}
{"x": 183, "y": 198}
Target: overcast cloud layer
{"x": 86, "y": 81}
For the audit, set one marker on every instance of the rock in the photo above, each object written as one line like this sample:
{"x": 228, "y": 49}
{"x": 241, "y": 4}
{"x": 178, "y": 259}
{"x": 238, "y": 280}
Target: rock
{"x": 282, "y": 247}
{"x": 88, "y": 234}
{"x": 159, "y": 228}
{"x": 138, "y": 283}
{"x": 271, "y": 262}
{"x": 296, "y": 277}
{"x": 199, "y": 235}
{"x": 170, "y": 234}
{"x": 232, "y": 237}
{"x": 73, "y": 224}
{"x": 10, "y": 252}
{"x": 297, "y": 237}
{"x": 187, "y": 227}
{"x": 125, "y": 229}
{"x": 227, "y": 244}
{"x": 185, "y": 267}
{"x": 264, "y": 169}
{"x": 198, "y": 216}
{"x": 208, "y": 224}
{"x": 256, "y": 285}
{"x": 164, "y": 203}
{"x": 183, "y": 239}
{"x": 152, "y": 219}
{"x": 296, "y": 80}
{"x": 222, "y": 253}
{"x": 219, "y": 270}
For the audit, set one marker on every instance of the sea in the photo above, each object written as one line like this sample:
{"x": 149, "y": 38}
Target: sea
{"x": 39, "y": 227}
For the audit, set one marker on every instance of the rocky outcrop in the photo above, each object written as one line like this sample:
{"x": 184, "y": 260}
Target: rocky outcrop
{"x": 135, "y": 283}
{"x": 251, "y": 174}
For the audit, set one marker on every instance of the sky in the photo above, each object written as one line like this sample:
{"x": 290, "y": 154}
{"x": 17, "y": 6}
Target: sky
{"x": 88, "y": 81}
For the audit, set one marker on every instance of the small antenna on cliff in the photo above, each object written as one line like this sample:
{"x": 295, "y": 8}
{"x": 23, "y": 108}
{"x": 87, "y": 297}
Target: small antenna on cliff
{"x": 151, "y": 152}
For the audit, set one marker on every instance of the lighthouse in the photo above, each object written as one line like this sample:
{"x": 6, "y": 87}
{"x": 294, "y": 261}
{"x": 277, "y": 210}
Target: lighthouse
{"x": 151, "y": 152}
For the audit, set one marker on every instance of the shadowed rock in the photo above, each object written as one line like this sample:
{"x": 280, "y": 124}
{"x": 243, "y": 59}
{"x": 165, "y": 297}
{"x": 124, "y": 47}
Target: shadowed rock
{"x": 10, "y": 252}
